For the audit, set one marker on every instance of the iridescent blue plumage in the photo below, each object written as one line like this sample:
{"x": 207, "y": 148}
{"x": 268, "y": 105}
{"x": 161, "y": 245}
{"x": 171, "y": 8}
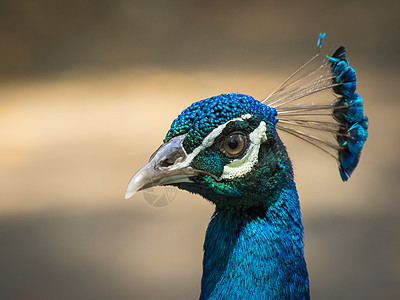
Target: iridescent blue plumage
{"x": 198, "y": 120}
{"x": 344, "y": 74}
{"x": 227, "y": 149}
{"x": 349, "y": 112}
{"x": 256, "y": 254}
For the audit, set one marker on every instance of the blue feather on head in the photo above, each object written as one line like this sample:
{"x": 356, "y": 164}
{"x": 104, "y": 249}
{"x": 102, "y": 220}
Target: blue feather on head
{"x": 349, "y": 112}
{"x": 198, "y": 120}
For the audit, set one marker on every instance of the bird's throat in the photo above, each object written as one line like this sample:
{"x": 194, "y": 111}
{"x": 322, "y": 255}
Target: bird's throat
{"x": 256, "y": 253}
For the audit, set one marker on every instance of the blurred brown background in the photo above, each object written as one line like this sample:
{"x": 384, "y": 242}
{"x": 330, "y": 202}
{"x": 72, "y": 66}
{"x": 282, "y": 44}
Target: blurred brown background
{"x": 88, "y": 90}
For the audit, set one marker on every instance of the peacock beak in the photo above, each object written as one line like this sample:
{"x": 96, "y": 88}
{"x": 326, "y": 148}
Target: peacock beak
{"x": 168, "y": 165}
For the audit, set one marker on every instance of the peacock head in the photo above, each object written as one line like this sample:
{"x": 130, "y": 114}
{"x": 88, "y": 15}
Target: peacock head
{"x": 224, "y": 148}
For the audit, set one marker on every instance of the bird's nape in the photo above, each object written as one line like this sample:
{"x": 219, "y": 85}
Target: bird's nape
{"x": 227, "y": 149}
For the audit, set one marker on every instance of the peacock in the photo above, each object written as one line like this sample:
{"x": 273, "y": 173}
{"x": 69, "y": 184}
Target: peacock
{"x": 226, "y": 148}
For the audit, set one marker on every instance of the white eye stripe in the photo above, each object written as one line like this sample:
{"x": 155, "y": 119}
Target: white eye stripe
{"x": 207, "y": 142}
{"x": 241, "y": 167}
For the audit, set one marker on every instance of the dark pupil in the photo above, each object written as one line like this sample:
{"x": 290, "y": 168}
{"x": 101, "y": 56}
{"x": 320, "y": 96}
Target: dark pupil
{"x": 233, "y": 142}
{"x": 233, "y": 145}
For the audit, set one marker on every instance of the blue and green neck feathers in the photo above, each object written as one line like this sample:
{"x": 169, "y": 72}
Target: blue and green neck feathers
{"x": 256, "y": 254}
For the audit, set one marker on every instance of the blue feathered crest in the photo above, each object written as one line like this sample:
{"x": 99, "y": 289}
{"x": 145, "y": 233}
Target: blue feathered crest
{"x": 343, "y": 118}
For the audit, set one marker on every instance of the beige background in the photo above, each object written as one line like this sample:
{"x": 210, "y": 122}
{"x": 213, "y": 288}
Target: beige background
{"x": 88, "y": 90}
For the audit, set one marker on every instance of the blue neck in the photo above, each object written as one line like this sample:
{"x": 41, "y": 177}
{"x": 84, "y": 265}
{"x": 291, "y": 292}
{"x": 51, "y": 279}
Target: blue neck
{"x": 256, "y": 254}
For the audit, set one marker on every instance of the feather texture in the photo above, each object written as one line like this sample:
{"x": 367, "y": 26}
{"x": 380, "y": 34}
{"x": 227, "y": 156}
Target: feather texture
{"x": 338, "y": 127}
{"x": 226, "y": 149}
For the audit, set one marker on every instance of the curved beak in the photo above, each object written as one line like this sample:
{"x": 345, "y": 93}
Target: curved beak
{"x": 168, "y": 165}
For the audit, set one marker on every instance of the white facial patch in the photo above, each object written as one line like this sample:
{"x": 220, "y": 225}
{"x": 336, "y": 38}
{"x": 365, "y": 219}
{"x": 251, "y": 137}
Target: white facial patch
{"x": 207, "y": 142}
{"x": 240, "y": 167}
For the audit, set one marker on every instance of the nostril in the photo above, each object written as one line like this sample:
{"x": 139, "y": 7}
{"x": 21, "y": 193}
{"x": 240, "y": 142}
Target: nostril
{"x": 170, "y": 160}
{"x": 166, "y": 163}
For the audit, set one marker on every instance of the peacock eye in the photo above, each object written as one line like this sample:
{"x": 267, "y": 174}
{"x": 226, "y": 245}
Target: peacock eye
{"x": 234, "y": 145}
